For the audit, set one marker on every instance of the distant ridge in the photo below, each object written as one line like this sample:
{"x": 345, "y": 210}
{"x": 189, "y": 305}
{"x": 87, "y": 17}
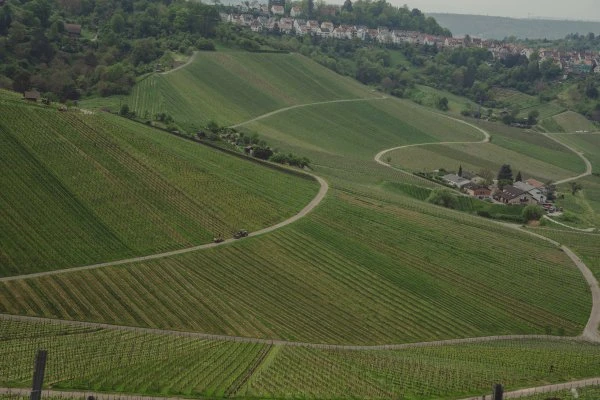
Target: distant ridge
{"x": 489, "y": 27}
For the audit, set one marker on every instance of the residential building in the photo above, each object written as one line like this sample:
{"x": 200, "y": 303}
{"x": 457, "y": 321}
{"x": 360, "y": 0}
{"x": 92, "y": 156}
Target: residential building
{"x": 513, "y": 195}
{"x": 296, "y": 12}
{"x": 277, "y": 10}
{"x": 455, "y": 180}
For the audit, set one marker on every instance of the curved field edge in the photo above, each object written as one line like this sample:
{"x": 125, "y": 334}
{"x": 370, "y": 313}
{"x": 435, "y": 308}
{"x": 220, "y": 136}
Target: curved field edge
{"x": 134, "y": 191}
{"x": 232, "y": 87}
{"x": 103, "y": 360}
{"x": 379, "y": 273}
{"x": 356, "y": 130}
{"x": 531, "y": 153}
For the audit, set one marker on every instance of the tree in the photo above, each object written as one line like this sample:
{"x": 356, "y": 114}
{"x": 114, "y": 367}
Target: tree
{"x": 311, "y": 8}
{"x": 347, "y": 6}
{"x": 442, "y": 104}
{"x": 505, "y": 176}
{"x": 505, "y": 173}
{"x": 575, "y": 187}
{"x": 550, "y": 191}
{"x": 532, "y": 212}
{"x": 460, "y": 172}
{"x": 124, "y": 111}
{"x": 591, "y": 91}
{"x": 532, "y": 117}
{"x": 519, "y": 178}
{"x": 487, "y": 176}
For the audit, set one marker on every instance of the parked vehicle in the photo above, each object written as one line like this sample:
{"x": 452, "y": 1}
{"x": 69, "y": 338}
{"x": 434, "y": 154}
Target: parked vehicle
{"x": 240, "y": 234}
{"x": 218, "y": 239}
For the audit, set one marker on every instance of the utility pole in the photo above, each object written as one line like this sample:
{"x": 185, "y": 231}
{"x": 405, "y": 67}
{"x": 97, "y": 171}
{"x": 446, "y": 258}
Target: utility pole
{"x": 38, "y": 374}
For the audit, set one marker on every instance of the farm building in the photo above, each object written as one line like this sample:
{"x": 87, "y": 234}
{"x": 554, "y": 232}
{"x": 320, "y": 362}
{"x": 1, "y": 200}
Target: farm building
{"x": 513, "y": 195}
{"x": 32, "y": 95}
{"x": 455, "y": 180}
{"x": 73, "y": 30}
{"x": 534, "y": 192}
{"x": 479, "y": 191}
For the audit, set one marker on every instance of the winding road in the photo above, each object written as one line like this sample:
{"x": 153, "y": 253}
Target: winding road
{"x": 281, "y": 110}
{"x": 590, "y": 332}
{"x": 588, "y": 164}
{"x": 324, "y": 187}
{"x": 188, "y": 62}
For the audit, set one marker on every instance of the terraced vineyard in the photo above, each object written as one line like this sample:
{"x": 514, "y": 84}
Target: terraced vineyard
{"x": 233, "y": 87}
{"x": 82, "y": 189}
{"x": 531, "y": 153}
{"x": 176, "y": 365}
{"x": 379, "y": 273}
{"x": 476, "y": 157}
{"x": 358, "y": 130}
{"x": 372, "y": 265}
{"x": 586, "y": 245}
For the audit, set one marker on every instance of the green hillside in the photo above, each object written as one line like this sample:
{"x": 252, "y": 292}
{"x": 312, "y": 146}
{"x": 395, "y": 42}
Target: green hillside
{"x": 529, "y": 152}
{"x": 379, "y": 273}
{"x": 358, "y": 130}
{"x": 372, "y": 264}
{"x": 231, "y": 87}
{"x": 80, "y": 189}
{"x": 175, "y": 365}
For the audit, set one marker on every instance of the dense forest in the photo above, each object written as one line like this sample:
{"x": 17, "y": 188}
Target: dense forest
{"x": 72, "y": 48}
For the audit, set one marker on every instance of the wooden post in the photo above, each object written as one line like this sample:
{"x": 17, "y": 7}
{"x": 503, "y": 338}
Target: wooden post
{"x": 38, "y": 374}
{"x": 498, "y": 392}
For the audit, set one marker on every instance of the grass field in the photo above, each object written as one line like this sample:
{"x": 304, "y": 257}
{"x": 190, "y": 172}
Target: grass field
{"x": 231, "y": 87}
{"x": 379, "y": 273}
{"x": 81, "y": 189}
{"x": 174, "y": 365}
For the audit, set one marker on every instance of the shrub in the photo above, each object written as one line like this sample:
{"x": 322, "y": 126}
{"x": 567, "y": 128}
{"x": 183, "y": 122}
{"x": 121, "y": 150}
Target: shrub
{"x": 532, "y": 212}
{"x": 443, "y": 197}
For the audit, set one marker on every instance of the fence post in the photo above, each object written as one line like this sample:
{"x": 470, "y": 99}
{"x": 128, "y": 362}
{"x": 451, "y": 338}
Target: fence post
{"x": 38, "y": 374}
{"x": 498, "y": 392}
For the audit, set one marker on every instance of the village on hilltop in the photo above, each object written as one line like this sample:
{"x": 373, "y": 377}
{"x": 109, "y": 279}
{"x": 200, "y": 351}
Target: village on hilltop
{"x": 274, "y": 18}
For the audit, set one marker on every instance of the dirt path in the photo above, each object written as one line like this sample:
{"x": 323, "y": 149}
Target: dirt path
{"x": 591, "y": 330}
{"x": 587, "y": 230}
{"x": 188, "y": 62}
{"x": 543, "y": 389}
{"x": 269, "y": 114}
{"x": 324, "y": 187}
{"x": 588, "y": 164}
{"x": 117, "y": 396}
{"x": 242, "y": 339}
{"x": 486, "y": 139}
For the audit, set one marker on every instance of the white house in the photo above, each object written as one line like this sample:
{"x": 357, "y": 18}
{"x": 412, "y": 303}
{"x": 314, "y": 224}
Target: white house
{"x": 295, "y": 12}
{"x": 277, "y": 10}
